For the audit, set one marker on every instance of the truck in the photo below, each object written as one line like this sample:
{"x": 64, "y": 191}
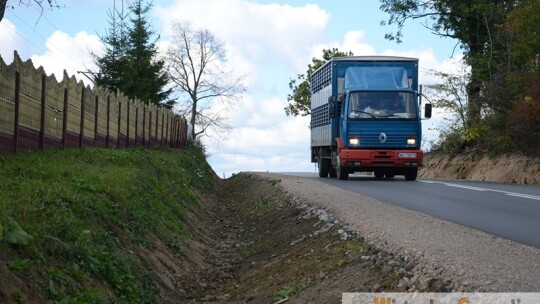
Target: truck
{"x": 365, "y": 117}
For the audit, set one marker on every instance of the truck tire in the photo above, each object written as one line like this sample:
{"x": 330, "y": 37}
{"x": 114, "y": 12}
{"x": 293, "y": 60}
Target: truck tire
{"x": 411, "y": 174}
{"x": 378, "y": 174}
{"x": 342, "y": 173}
{"x": 324, "y": 166}
{"x": 332, "y": 171}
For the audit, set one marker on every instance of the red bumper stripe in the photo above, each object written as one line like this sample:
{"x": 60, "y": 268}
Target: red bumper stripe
{"x": 391, "y": 158}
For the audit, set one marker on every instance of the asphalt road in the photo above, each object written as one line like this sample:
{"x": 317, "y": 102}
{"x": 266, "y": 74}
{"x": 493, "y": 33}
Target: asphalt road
{"x": 508, "y": 211}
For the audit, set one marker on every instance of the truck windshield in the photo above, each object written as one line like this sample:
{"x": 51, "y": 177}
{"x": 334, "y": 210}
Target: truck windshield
{"x": 382, "y": 105}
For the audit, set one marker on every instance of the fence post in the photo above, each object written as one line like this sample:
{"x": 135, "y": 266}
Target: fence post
{"x": 184, "y": 134}
{"x": 81, "y": 132}
{"x": 175, "y": 130}
{"x": 42, "y": 118}
{"x": 17, "y": 110}
{"x": 119, "y": 124}
{"x": 157, "y": 124}
{"x": 179, "y": 135}
{"x": 136, "y": 126}
{"x": 96, "y": 120}
{"x": 127, "y": 129}
{"x": 162, "y": 125}
{"x": 64, "y": 121}
{"x": 183, "y": 130}
{"x": 149, "y": 128}
{"x": 144, "y": 125}
{"x": 108, "y": 135}
{"x": 167, "y": 130}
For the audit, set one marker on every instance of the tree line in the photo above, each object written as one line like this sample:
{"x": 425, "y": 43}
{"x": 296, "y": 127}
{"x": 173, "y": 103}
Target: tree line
{"x": 494, "y": 104}
{"x": 188, "y": 75}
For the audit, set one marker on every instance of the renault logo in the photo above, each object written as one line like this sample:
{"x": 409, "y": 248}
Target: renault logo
{"x": 382, "y": 138}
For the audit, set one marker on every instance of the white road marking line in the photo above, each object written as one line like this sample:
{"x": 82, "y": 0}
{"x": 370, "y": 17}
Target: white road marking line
{"x": 528, "y": 196}
{"x": 524, "y": 196}
{"x": 466, "y": 187}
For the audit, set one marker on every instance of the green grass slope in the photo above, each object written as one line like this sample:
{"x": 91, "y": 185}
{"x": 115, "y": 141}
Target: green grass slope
{"x": 72, "y": 221}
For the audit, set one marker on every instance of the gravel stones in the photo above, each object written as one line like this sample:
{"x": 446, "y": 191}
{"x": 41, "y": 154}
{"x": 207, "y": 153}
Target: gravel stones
{"x": 437, "y": 254}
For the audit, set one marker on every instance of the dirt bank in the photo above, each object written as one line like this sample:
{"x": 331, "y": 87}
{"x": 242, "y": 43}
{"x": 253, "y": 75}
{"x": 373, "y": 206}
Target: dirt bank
{"x": 508, "y": 168}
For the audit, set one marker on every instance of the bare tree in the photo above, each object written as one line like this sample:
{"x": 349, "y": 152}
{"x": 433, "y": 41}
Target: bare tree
{"x": 3, "y": 5}
{"x": 196, "y": 66}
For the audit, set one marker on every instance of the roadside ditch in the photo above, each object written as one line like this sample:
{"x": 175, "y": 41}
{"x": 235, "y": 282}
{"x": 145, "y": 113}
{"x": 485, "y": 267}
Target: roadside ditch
{"x": 256, "y": 243}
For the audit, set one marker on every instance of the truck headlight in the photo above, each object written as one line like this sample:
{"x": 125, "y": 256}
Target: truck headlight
{"x": 354, "y": 140}
{"x": 411, "y": 141}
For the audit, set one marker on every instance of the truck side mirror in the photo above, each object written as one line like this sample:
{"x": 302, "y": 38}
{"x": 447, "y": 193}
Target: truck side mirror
{"x": 331, "y": 106}
{"x": 427, "y": 110}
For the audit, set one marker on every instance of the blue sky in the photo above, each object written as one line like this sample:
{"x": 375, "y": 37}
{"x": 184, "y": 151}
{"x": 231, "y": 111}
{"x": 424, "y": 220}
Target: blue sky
{"x": 268, "y": 42}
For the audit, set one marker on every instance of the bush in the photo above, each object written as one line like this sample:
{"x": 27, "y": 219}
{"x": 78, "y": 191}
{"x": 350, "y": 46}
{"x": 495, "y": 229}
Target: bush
{"x": 524, "y": 126}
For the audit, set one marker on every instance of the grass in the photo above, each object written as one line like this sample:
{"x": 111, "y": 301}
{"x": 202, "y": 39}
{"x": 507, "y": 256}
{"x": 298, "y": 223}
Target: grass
{"x": 69, "y": 219}
{"x": 287, "y": 291}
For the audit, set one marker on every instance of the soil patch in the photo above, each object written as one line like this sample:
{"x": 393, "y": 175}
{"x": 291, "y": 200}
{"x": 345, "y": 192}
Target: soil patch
{"x": 507, "y": 168}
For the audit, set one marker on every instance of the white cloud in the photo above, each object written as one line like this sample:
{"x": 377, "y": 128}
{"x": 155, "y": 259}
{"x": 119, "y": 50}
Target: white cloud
{"x": 255, "y": 34}
{"x": 264, "y": 42}
{"x": 10, "y": 40}
{"x": 267, "y": 140}
{"x": 270, "y": 43}
{"x": 70, "y": 53}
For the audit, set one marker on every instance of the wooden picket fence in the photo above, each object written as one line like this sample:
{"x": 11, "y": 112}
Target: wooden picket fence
{"x": 38, "y": 112}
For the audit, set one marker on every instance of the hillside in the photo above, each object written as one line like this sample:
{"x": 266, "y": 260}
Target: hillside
{"x": 506, "y": 168}
{"x": 157, "y": 226}
{"x": 89, "y": 225}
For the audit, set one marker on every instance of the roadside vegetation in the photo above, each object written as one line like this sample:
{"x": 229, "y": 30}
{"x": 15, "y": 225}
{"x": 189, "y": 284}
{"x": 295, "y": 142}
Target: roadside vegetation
{"x": 158, "y": 226}
{"x": 493, "y": 104}
{"x": 73, "y": 222}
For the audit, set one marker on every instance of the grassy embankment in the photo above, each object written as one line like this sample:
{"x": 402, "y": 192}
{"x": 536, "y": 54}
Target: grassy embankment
{"x": 72, "y": 221}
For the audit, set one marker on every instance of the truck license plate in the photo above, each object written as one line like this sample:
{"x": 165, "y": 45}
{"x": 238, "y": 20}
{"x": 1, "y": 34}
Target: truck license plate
{"x": 407, "y": 155}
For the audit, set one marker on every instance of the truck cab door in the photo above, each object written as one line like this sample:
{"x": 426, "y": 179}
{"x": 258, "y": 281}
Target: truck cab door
{"x": 343, "y": 116}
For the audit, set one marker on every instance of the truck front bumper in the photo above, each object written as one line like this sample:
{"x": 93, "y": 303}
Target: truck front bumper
{"x": 380, "y": 158}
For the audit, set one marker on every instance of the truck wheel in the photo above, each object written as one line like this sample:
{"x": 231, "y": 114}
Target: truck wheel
{"x": 341, "y": 172}
{"x": 411, "y": 174}
{"x": 324, "y": 166}
{"x": 332, "y": 171}
{"x": 378, "y": 174}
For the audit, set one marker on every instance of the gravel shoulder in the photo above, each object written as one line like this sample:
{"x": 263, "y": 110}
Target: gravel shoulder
{"x": 472, "y": 260}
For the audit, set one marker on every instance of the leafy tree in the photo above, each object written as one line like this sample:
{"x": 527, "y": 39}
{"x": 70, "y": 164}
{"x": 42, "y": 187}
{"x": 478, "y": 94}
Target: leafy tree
{"x": 521, "y": 26}
{"x": 196, "y": 67}
{"x": 473, "y": 23}
{"x": 450, "y": 95}
{"x": 300, "y": 98}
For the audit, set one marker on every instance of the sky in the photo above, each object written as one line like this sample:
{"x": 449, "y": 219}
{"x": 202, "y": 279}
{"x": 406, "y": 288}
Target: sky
{"x": 267, "y": 43}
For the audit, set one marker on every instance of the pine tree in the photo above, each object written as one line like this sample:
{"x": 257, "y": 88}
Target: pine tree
{"x": 112, "y": 64}
{"x": 146, "y": 77}
{"x": 130, "y": 63}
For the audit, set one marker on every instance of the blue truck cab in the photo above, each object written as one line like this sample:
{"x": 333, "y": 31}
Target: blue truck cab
{"x": 365, "y": 117}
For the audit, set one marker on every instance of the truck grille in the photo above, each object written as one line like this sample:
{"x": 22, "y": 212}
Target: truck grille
{"x": 393, "y": 140}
